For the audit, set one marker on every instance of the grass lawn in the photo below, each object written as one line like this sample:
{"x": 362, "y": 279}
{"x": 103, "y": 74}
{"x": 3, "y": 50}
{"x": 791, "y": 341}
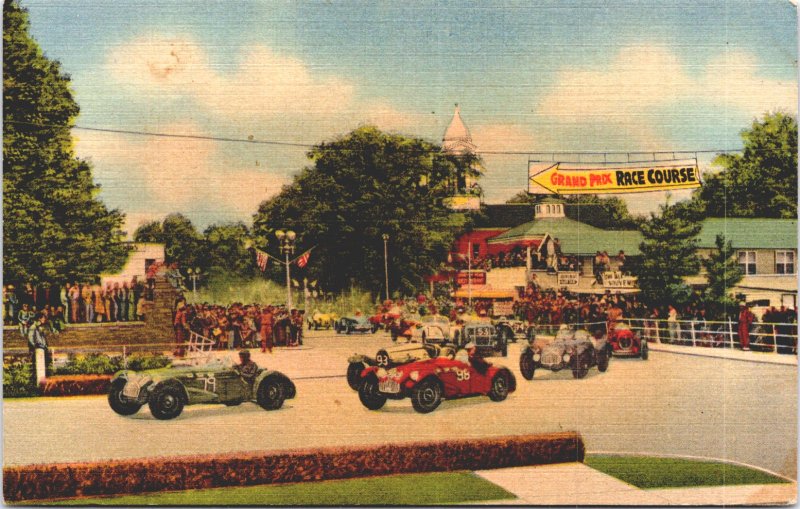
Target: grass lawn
{"x": 410, "y": 489}
{"x": 647, "y": 472}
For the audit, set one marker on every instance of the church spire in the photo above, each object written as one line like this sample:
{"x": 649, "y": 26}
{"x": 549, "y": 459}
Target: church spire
{"x": 457, "y": 139}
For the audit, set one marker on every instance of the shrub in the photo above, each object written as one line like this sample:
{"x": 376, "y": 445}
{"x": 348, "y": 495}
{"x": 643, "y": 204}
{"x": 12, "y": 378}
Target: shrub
{"x": 18, "y": 378}
{"x": 90, "y": 364}
{"x": 76, "y": 385}
{"x": 141, "y": 361}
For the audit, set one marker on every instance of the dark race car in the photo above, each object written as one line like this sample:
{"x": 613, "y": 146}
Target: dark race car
{"x": 627, "y": 343}
{"x": 429, "y": 381}
{"x": 166, "y": 391}
{"x": 571, "y": 349}
{"x": 511, "y": 329}
{"x": 396, "y": 355}
{"x": 355, "y": 323}
{"x": 488, "y": 340}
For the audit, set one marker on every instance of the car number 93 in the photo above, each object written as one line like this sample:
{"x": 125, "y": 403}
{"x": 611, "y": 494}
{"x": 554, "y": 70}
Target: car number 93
{"x": 382, "y": 360}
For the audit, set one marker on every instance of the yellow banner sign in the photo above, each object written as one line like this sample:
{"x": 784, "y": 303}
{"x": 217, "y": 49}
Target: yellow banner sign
{"x": 613, "y": 180}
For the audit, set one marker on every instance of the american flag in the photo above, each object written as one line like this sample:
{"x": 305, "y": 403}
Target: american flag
{"x": 302, "y": 260}
{"x": 262, "y": 259}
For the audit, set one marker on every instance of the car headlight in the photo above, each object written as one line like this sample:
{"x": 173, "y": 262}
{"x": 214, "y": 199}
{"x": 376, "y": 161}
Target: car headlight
{"x": 536, "y": 357}
{"x": 566, "y": 357}
{"x": 414, "y": 375}
{"x": 381, "y": 372}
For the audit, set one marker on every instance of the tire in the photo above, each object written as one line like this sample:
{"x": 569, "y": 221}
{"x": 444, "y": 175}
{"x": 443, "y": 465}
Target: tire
{"x": 504, "y": 349}
{"x": 602, "y": 361}
{"x": 369, "y": 394}
{"x": 579, "y": 367}
{"x": 426, "y": 396}
{"x": 348, "y": 329}
{"x": 337, "y": 328}
{"x": 499, "y": 390}
{"x": 375, "y": 328}
{"x": 166, "y": 402}
{"x": 118, "y": 402}
{"x": 316, "y": 326}
{"x": 645, "y": 351}
{"x": 232, "y": 403}
{"x": 354, "y": 370}
{"x": 527, "y": 366}
{"x": 270, "y": 394}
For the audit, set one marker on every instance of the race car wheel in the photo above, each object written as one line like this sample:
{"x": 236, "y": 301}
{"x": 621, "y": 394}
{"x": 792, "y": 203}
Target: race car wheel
{"x": 369, "y": 394}
{"x": 602, "y": 361}
{"x": 354, "y": 370}
{"x": 233, "y": 403}
{"x": 625, "y": 342}
{"x": 526, "y": 366}
{"x": 504, "y": 349}
{"x": 645, "y": 350}
{"x": 348, "y": 329}
{"x": 427, "y": 395}
{"x": 580, "y": 367}
{"x": 499, "y": 390}
{"x": 375, "y": 328}
{"x": 270, "y": 394}
{"x": 119, "y": 403}
{"x": 337, "y": 328}
{"x": 166, "y": 402}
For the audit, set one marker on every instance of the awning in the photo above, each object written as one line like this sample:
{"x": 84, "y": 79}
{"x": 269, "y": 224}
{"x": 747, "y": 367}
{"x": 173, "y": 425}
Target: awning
{"x": 484, "y": 293}
{"x": 534, "y": 241}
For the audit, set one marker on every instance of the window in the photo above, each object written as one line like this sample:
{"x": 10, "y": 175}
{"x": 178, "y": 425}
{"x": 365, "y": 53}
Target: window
{"x": 784, "y": 262}
{"x": 476, "y": 250}
{"x": 747, "y": 261}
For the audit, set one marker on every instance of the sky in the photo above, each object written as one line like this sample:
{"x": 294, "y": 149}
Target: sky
{"x": 543, "y": 76}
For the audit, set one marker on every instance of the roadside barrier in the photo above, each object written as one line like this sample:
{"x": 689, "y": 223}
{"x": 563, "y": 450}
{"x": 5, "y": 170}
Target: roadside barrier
{"x": 69, "y": 480}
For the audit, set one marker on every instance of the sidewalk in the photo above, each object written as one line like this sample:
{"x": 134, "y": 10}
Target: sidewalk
{"x": 578, "y": 484}
{"x": 726, "y": 353}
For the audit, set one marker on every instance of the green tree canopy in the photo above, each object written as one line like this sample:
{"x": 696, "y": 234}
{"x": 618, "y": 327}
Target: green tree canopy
{"x": 723, "y": 272}
{"x": 762, "y": 180}
{"x": 601, "y": 212}
{"x": 668, "y": 255}
{"x": 182, "y": 243}
{"x": 360, "y": 187}
{"x": 225, "y": 251}
{"x": 55, "y": 228}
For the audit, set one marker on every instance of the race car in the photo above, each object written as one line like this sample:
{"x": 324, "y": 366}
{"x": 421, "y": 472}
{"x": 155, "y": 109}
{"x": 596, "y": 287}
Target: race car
{"x": 627, "y": 343}
{"x": 573, "y": 349}
{"x": 397, "y": 355}
{"x": 511, "y": 329}
{"x": 427, "y": 382}
{"x": 354, "y": 323}
{"x": 167, "y": 390}
{"x": 321, "y": 320}
{"x": 487, "y": 339}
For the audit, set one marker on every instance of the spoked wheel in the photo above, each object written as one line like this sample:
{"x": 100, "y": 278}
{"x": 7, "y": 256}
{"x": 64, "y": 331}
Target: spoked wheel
{"x": 579, "y": 367}
{"x": 499, "y": 390}
{"x": 369, "y": 394}
{"x": 427, "y": 396}
{"x": 603, "y": 359}
{"x": 119, "y": 403}
{"x": 166, "y": 402}
{"x": 270, "y": 394}
{"x": 645, "y": 350}
{"x": 526, "y": 366}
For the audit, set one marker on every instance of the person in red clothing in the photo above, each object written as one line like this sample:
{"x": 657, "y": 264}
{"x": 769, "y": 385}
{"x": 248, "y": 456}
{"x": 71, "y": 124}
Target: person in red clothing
{"x": 746, "y": 319}
{"x": 266, "y": 329}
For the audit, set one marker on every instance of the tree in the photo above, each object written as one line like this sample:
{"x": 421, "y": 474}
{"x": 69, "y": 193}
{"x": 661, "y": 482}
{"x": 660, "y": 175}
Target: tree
{"x": 55, "y": 229}
{"x": 360, "y": 187}
{"x": 182, "y": 243}
{"x": 723, "y": 273}
{"x": 668, "y": 255}
{"x": 151, "y": 231}
{"x": 225, "y": 250}
{"x": 606, "y": 213}
{"x": 762, "y": 180}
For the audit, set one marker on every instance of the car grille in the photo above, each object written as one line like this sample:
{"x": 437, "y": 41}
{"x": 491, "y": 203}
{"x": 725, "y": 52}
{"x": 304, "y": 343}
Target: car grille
{"x": 551, "y": 358}
{"x": 131, "y": 389}
{"x": 389, "y": 385}
{"x": 483, "y": 342}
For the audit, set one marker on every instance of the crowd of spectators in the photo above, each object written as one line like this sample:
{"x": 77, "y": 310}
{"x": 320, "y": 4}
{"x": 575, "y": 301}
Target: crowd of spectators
{"x": 238, "y": 325}
{"x": 74, "y": 303}
{"x": 516, "y": 257}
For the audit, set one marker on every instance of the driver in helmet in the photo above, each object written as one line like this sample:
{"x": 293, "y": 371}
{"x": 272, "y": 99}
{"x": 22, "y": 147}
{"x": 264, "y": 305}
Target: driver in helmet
{"x": 471, "y": 356}
{"x": 246, "y": 368}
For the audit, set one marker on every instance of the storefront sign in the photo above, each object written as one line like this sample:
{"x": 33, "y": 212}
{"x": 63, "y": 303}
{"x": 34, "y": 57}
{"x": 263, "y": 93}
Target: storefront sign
{"x": 623, "y": 179}
{"x": 478, "y": 277}
{"x": 503, "y": 308}
{"x": 617, "y": 279}
{"x": 463, "y": 202}
{"x": 568, "y": 278}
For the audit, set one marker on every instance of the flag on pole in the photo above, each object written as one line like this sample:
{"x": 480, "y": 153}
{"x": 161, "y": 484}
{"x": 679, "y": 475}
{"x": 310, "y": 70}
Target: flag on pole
{"x": 262, "y": 259}
{"x": 302, "y": 260}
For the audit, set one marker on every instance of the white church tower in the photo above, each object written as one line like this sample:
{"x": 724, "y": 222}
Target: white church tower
{"x": 458, "y": 141}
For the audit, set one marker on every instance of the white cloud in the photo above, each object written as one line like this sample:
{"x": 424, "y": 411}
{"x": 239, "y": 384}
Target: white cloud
{"x": 642, "y": 78}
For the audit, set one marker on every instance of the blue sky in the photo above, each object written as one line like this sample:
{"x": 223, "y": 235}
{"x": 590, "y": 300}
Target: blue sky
{"x": 529, "y": 76}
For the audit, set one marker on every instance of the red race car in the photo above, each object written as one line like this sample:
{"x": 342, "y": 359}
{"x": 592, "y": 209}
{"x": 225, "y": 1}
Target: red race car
{"x": 429, "y": 381}
{"x": 627, "y": 343}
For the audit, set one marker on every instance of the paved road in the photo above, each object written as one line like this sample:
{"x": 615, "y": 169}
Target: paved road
{"x": 671, "y": 404}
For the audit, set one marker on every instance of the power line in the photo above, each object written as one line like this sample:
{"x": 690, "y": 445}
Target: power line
{"x": 529, "y": 153}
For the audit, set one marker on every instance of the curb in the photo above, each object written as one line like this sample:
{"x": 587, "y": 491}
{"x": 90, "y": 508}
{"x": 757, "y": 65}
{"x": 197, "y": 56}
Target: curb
{"x": 726, "y": 354}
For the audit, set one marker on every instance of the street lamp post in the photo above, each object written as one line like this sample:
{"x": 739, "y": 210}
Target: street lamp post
{"x": 386, "y": 261}
{"x": 286, "y": 240}
{"x": 194, "y": 275}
